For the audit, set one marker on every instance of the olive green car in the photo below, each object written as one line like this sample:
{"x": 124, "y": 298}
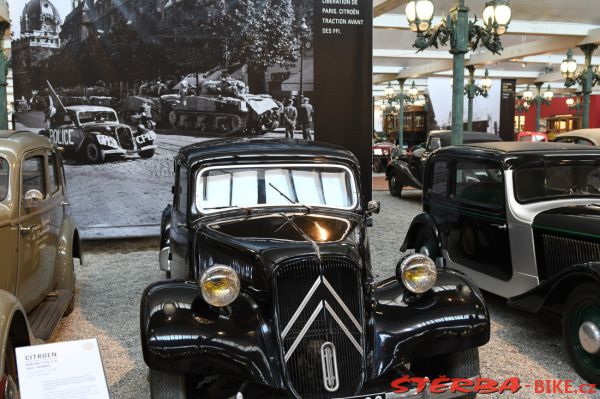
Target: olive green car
{"x": 38, "y": 244}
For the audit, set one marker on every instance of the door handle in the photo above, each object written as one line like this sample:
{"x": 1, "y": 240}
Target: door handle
{"x": 499, "y": 226}
{"x": 26, "y": 230}
{"x": 64, "y": 203}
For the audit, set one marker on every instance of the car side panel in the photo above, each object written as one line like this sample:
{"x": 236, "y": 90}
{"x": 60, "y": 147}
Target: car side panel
{"x": 67, "y": 249}
{"x": 13, "y": 321}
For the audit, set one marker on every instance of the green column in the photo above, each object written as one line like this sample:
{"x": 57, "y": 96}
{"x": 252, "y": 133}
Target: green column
{"x": 538, "y": 106}
{"x": 471, "y": 95}
{"x": 460, "y": 41}
{"x": 400, "y": 136}
{"x": 588, "y": 77}
{"x": 3, "y": 83}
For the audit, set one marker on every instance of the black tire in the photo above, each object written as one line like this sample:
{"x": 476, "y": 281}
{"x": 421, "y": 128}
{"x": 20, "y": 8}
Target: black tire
{"x": 583, "y": 305}
{"x": 10, "y": 371}
{"x": 394, "y": 186}
{"x": 463, "y": 364}
{"x": 166, "y": 385}
{"x": 71, "y": 305}
{"x": 377, "y": 166}
{"x": 92, "y": 153}
{"x": 148, "y": 153}
{"x": 426, "y": 244}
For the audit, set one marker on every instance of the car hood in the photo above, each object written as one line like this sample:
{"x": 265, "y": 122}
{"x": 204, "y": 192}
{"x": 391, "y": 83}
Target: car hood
{"x": 580, "y": 220}
{"x": 277, "y": 237}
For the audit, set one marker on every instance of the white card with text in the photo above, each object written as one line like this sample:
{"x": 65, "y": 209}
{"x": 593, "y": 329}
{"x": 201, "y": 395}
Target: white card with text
{"x": 62, "y": 370}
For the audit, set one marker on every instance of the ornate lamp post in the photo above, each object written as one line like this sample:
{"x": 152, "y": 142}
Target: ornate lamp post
{"x": 304, "y": 37}
{"x": 574, "y": 103}
{"x": 587, "y": 77}
{"x": 399, "y": 101}
{"x": 463, "y": 35}
{"x": 472, "y": 91}
{"x": 539, "y": 100}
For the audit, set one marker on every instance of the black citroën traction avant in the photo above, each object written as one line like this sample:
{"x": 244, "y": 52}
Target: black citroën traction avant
{"x": 272, "y": 293}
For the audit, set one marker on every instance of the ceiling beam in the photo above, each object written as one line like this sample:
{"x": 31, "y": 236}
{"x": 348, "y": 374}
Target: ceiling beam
{"x": 543, "y": 46}
{"x": 541, "y": 28}
{"x": 425, "y": 70}
{"x": 592, "y": 37}
{"x": 387, "y": 6}
{"x": 549, "y": 77}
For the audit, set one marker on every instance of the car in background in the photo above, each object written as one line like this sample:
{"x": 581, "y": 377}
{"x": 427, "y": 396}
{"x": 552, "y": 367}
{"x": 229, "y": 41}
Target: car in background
{"x": 523, "y": 221}
{"x": 381, "y": 155}
{"x": 581, "y": 136}
{"x": 407, "y": 169}
{"x": 273, "y": 294}
{"x": 532, "y": 136}
{"x": 38, "y": 243}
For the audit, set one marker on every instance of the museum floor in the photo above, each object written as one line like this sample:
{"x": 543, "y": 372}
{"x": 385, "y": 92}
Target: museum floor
{"x": 110, "y": 283}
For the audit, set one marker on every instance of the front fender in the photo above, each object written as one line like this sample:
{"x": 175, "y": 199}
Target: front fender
{"x": 191, "y": 337}
{"x": 13, "y": 324}
{"x": 451, "y": 317}
{"x": 421, "y": 221}
{"x": 69, "y": 247}
{"x": 403, "y": 173}
{"x": 555, "y": 290}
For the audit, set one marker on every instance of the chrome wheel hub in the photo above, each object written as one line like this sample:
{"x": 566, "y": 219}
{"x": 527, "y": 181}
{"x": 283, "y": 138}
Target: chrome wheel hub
{"x": 589, "y": 337}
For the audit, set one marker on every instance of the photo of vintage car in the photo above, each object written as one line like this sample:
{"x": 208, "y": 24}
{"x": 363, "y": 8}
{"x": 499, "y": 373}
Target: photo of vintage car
{"x": 272, "y": 291}
{"x": 38, "y": 242}
{"x": 407, "y": 169}
{"x": 92, "y": 134}
{"x": 521, "y": 219}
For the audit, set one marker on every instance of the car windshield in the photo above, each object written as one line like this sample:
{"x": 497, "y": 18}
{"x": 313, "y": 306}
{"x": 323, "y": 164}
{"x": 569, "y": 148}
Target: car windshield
{"x": 220, "y": 188}
{"x": 4, "y": 169}
{"x": 97, "y": 116}
{"x": 569, "y": 179}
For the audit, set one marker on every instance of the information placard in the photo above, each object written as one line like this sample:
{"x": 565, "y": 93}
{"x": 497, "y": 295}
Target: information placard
{"x": 62, "y": 370}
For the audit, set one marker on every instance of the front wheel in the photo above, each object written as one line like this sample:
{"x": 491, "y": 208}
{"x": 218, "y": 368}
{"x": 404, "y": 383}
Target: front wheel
{"x": 581, "y": 331}
{"x": 167, "y": 385}
{"x": 394, "y": 186}
{"x": 147, "y": 153}
{"x": 463, "y": 364}
{"x": 92, "y": 152}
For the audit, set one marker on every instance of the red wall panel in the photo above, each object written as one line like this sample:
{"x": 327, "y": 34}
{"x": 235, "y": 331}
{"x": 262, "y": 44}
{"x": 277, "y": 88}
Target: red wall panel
{"x": 559, "y": 107}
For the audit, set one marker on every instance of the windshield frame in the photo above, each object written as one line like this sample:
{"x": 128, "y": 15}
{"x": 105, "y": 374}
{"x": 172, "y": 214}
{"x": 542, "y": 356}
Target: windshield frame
{"x": 108, "y": 111}
{"x": 564, "y": 162}
{"x": 354, "y": 188}
{"x": 6, "y": 196}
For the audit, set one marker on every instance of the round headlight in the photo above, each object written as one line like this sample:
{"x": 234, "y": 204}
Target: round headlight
{"x": 220, "y": 285}
{"x": 417, "y": 272}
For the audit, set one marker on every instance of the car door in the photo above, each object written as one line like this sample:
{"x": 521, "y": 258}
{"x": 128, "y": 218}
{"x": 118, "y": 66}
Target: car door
{"x": 473, "y": 218}
{"x": 38, "y": 238}
{"x": 180, "y": 241}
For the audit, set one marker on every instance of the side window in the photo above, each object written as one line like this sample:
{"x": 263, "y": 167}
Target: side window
{"x": 480, "y": 182}
{"x": 180, "y": 198}
{"x": 53, "y": 173}
{"x": 434, "y": 144}
{"x": 33, "y": 175}
{"x": 439, "y": 178}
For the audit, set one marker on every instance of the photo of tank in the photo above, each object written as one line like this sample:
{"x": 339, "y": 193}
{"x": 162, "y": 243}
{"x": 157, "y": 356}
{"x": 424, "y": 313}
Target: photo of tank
{"x": 225, "y": 106}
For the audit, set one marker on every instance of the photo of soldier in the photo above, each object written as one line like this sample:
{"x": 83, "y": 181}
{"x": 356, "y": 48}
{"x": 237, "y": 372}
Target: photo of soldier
{"x": 290, "y": 114}
{"x": 305, "y": 118}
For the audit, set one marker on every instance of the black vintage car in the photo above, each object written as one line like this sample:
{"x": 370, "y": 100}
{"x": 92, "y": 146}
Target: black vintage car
{"x": 523, "y": 221}
{"x": 408, "y": 169}
{"x": 272, "y": 292}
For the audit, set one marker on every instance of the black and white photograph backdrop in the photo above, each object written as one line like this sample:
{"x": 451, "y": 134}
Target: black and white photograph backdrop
{"x": 121, "y": 85}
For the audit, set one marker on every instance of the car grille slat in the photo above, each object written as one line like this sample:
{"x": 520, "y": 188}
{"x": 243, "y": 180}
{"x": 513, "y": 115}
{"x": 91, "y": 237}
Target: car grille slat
{"x": 125, "y": 138}
{"x": 294, "y": 280}
{"x": 556, "y": 253}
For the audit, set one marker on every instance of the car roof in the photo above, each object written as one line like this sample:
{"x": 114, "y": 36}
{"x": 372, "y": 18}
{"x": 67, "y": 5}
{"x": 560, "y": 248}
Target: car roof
{"x": 88, "y": 108}
{"x": 21, "y": 141}
{"x": 243, "y": 148}
{"x": 468, "y": 137}
{"x": 511, "y": 147}
{"x": 591, "y": 134}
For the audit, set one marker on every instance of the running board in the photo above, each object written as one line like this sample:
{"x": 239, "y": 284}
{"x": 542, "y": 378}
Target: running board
{"x": 46, "y": 316}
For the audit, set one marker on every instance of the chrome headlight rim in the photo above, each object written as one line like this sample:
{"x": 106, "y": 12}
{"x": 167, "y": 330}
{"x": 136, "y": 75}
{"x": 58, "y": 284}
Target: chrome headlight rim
{"x": 413, "y": 263}
{"x": 215, "y": 272}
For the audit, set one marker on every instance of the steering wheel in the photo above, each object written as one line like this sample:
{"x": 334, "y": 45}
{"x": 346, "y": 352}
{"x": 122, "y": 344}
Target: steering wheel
{"x": 583, "y": 189}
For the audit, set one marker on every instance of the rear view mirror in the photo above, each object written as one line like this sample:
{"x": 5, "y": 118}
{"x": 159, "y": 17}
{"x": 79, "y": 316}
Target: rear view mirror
{"x": 33, "y": 198}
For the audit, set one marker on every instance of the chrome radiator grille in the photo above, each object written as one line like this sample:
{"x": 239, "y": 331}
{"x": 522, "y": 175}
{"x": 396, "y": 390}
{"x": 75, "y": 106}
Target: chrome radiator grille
{"x": 318, "y": 304}
{"x": 125, "y": 138}
{"x": 555, "y": 253}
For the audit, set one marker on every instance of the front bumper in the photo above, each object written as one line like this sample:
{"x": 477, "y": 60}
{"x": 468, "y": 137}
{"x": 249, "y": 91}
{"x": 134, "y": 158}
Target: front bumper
{"x": 120, "y": 151}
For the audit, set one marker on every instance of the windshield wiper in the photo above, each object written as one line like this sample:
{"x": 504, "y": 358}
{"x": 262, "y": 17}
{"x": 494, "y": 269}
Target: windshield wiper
{"x": 303, "y": 234}
{"x": 308, "y": 208}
